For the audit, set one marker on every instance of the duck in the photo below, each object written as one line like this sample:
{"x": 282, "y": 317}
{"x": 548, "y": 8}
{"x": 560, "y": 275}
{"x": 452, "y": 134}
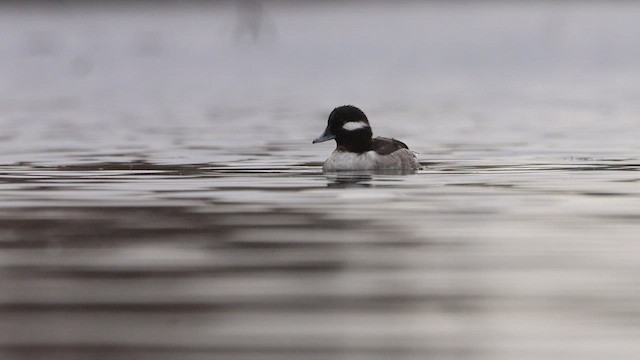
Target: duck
{"x": 357, "y": 149}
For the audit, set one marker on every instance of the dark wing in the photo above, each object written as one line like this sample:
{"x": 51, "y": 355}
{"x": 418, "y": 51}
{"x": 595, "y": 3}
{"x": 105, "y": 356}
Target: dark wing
{"x": 385, "y": 146}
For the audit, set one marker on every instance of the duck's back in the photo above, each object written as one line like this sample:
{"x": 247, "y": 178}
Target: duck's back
{"x": 386, "y": 146}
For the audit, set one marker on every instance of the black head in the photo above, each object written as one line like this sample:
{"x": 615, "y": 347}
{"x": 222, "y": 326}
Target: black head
{"x": 350, "y": 127}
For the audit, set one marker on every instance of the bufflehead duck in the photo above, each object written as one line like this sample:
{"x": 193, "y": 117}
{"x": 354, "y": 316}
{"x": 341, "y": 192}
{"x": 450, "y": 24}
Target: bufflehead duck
{"x": 357, "y": 150}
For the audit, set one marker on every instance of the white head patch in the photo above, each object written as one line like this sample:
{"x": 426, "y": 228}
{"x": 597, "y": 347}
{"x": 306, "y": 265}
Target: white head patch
{"x": 354, "y": 125}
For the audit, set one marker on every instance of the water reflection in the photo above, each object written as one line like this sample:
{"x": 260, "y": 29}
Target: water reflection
{"x": 348, "y": 180}
{"x": 207, "y": 259}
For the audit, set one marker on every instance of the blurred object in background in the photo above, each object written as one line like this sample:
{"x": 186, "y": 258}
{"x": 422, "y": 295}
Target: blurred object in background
{"x": 253, "y": 22}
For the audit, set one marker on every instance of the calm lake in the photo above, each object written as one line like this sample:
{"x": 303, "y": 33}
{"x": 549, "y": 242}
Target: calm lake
{"x": 160, "y": 197}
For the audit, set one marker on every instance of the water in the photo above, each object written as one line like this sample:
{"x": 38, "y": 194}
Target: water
{"x": 160, "y": 197}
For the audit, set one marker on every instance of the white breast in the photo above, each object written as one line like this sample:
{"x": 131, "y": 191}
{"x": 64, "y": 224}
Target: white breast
{"x": 343, "y": 160}
{"x": 402, "y": 159}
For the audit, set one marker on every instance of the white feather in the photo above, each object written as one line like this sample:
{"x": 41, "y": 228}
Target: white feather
{"x": 354, "y": 125}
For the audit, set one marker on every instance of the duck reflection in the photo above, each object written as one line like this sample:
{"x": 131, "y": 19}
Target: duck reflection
{"x": 347, "y": 180}
{"x": 342, "y": 179}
